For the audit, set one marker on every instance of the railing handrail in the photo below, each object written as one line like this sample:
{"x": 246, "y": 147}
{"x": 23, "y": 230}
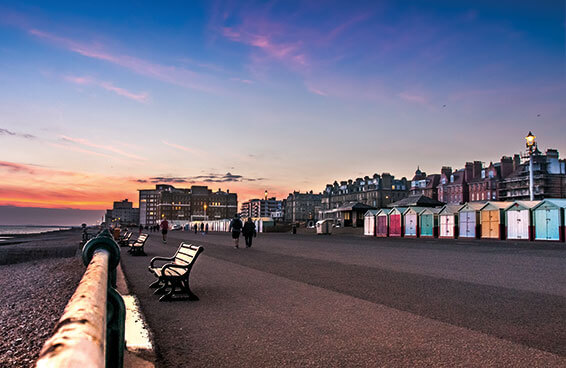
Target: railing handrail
{"x": 91, "y": 331}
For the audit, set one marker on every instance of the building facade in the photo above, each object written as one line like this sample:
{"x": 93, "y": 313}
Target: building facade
{"x": 184, "y": 204}
{"x": 423, "y": 184}
{"x": 256, "y": 208}
{"x": 302, "y": 206}
{"x": 122, "y": 213}
{"x": 376, "y": 192}
{"x": 549, "y": 172}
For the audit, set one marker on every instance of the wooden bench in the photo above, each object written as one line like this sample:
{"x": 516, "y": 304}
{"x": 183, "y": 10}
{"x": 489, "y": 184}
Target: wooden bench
{"x": 136, "y": 247}
{"x": 125, "y": 239}
{"x": 175, "y": 273}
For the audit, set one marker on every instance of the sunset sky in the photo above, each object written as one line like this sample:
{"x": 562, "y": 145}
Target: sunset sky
{"x": 98, "y": 100}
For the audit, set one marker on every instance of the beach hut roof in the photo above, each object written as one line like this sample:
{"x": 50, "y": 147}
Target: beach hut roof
{"x": 371, "y": 213}
{"x": 553, "y": 202}
{"x": 521, "y": 205}
{"x": 450, "y": 209}
{"x": 415, "y": 209}
{"x": 472, "y": 206}
{"x": 418, "y": 200}
{"x": 399, "y": 210}
{"x": 430, "y": 211}
{"x": 384, "y": 211}
{"x": 495, "y": 205}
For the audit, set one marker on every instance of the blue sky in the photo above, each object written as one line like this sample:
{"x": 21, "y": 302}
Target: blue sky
{"x": 282, "y": 95}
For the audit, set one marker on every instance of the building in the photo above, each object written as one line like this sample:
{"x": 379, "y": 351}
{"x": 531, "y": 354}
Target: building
{"x": 375, "y": 192}
{"x": 302, "y": 206}
{"x": 222, "y": 205}
{"x": 453, "y": 188}
{"x": 256, "y": 208}
{"x": 184, "y": 204}
{"x": 123, "y": 213}
{"x": 423, "y": 184}
{"x": 549, "y": 173}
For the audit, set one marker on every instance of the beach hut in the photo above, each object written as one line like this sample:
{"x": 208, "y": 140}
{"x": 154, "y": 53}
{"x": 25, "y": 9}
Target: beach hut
{"x": 369, "y": 222}
{"x": 492, "y": 217}
{"x": 396, "y": 221}
{"x": 519, "y": 220}
{"x": 411, "y": 221}
{"x": 548, "y": 218}
{"x": 382, "y": 222}
{"x": 448, "y": 221}
{"x": 469, "y": 220}
{"x": 428, "y": 223}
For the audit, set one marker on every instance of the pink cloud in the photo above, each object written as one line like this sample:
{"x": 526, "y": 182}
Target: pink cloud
{"x": 165, "y": 73}
{"x": 183, "y": 148}
{"x": 316, "y": 91}
{"x": 246, "y": 81}
{"x": 84, "y": 142}
{"x": 263, "y": 36}
{"x": 80, "y": 150}
{"x": 412, "y": 98}
{"x": 140, "y": 97}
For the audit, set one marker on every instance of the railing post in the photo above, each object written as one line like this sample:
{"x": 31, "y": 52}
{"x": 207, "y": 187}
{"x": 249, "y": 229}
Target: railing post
{"x": 115, "y": 307}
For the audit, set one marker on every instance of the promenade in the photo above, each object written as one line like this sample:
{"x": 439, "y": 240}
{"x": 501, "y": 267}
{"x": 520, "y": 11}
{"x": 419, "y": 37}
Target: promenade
{"x": 346, "y": 301}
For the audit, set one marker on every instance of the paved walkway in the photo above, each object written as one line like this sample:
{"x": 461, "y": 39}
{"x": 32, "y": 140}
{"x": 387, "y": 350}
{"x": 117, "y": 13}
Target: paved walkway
{"x": 347, "y": 301}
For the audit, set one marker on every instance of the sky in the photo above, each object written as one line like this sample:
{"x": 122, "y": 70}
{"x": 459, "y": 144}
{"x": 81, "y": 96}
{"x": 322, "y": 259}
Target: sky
{"x": 99, "y": 99}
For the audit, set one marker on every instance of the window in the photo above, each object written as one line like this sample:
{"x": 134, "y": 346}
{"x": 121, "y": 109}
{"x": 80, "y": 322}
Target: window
{"x": 452, "y": 178}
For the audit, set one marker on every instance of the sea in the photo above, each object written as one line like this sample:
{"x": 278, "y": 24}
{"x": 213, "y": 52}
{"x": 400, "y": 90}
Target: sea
{"x": 28, "y": 229}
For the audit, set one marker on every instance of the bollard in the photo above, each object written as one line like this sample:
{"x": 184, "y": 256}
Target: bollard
{"x": 91, "y": 331}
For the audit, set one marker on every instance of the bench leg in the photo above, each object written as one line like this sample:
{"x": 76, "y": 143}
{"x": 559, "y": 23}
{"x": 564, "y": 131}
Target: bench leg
{"x": 162, "y": 289}
{"x": 187, "y": 289}
{"x": 155, "y": 284}
{"x": 169, "y": 295}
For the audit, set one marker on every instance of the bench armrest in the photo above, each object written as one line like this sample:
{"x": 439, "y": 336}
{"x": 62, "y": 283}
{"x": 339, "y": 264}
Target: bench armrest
{"x": 154, "y": 259}
{"x": 173, "y": 265}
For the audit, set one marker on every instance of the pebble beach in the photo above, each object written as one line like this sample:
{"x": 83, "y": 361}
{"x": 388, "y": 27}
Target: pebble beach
{"x": 38, "y": 275}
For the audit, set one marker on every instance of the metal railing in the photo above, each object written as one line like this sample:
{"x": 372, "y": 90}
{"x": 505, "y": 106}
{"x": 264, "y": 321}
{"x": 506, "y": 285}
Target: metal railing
{"x": 91, "y": 331}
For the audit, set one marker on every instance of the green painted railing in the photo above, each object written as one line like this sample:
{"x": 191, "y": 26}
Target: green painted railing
{"x": 91, "y": 331}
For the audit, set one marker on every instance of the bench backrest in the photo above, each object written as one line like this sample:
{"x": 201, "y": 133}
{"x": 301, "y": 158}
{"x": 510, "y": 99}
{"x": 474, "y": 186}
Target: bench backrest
{"x": 187, "y": 254}
{"x": 142, "y": 238}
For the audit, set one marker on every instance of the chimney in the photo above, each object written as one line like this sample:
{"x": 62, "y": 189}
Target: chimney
{"x": 506, "y": 166}
{"x": 552, "y": 153}
{"x": 477, "y": 169}
{"x": 516, "y": 161}
{"x": 386, "y": 180}
{"x": 469, "y": 171}
{"x": 446, "y": 170}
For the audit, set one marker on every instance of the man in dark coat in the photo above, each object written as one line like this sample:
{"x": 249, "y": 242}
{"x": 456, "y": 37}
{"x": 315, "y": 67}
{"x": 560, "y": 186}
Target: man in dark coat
{"x": 249, "y": 232}
{"x": 236, "y": 227}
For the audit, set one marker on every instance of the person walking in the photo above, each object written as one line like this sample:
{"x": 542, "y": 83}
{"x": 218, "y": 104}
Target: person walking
{"x": 202, "y": 228}
{"x": 196, "y": 228}
{"x": 164, "y": 228}
{"x": 249, "y": 232}
{"x": 206, "y": 229}
{"x": 236, "y": 228}
{"x": 141, "y": 229}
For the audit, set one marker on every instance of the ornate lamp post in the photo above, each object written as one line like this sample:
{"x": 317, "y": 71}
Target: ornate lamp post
{"x": 531, "y": 148}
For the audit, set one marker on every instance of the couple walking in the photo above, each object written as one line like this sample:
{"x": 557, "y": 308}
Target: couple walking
{"x": 247, "y": 229}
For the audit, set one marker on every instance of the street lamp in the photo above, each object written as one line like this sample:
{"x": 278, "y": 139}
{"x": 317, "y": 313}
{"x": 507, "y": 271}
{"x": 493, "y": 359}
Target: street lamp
{"x": 531, "y": 148}
{"x": 205, "y": 206}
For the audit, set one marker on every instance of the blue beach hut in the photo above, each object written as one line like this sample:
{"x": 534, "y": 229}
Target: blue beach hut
{"x": 548, "y": 217}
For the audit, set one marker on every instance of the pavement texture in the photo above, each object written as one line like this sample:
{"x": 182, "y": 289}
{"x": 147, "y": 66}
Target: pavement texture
{"x": 345, "y": 301}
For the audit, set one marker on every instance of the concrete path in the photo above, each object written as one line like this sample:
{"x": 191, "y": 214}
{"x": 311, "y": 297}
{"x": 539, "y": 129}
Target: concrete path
{"x": 346, "y": 301}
